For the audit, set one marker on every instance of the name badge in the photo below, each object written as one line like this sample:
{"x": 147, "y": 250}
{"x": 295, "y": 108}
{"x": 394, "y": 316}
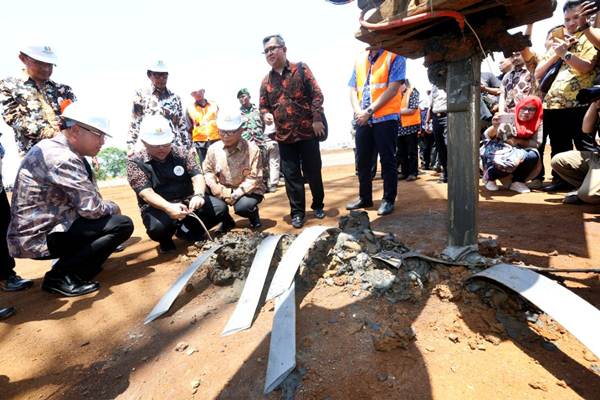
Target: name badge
{"x": 178, "y": 170}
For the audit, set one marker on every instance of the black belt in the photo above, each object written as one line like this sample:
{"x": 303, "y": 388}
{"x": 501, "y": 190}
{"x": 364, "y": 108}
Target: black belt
{"x": 440, "y": 114}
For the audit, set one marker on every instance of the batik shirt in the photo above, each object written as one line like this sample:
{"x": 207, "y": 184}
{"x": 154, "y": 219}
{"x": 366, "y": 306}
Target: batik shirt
{"x": 518, "y": 84}
{"x": 33, "y": 113}
{"x": 52, "y": 189}
{"x": 253, "y": 125}
{"x": 413, "y": 104}
{"x": 294, "y": 103}
{"x": 234, "y": 168}
{"x": 150, "y": 101}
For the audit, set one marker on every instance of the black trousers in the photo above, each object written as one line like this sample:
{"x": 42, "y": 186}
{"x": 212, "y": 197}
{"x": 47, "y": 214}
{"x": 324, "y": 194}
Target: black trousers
{"x": 426, "y": 147}
{"x": 299, "y": 161}
{"x": 247, "y": 205}
{"x": 407, "y": 154}
{"x": 84, "y": 247}
{"x": 382, "y": 137}
{"x": 7, "y": 263}
{"x": 440, "y": 134}
{"x": 373, "y": 165}
{"x": 563, "y": 127}
{"x": 161, "y": 228}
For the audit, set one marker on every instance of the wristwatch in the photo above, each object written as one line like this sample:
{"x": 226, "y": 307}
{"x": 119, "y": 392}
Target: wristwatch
{"x": 567, "y": 56}
{"x": 370, "y": 110}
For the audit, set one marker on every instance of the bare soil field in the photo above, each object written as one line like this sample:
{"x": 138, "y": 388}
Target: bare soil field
{"x": 96, "y": 346}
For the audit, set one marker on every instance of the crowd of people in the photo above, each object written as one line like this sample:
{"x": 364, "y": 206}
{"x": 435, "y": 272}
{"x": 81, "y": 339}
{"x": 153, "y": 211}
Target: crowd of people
{"x": 187, "y": 165}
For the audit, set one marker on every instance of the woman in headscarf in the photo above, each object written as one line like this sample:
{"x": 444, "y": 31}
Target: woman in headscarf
{"x": 510, "y": 150}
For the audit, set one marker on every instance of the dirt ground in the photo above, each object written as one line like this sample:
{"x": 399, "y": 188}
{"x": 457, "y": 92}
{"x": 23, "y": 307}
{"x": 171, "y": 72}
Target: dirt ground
{"x": 96, "y": 346}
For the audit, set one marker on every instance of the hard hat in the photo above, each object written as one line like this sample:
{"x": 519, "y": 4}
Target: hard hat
{"x": 155, "y": 130}
{"x": 86, "y": 117}
{"x": 40, "y": 53}
{"x": 229, "y": 120}
{"x": 158, "y": 66}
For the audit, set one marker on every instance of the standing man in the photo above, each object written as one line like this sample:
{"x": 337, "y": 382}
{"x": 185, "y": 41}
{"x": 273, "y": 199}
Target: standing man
{"x": 376, "y": 79}
{"x": 438, "y": 115}
{"x": 57, "y": 210}
{"x": 32, "y": 103}
{"x": 202, "y": 122}
{"x": 157, "y": 99}
{"x": 291, "y": 98}
{"x": 233, "y": 169}
{"x": 254, "y": 131}
{"x": 169, "y": 185}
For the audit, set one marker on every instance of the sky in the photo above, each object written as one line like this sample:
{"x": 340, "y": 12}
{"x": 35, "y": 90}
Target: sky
{"x": 104, "y": 48}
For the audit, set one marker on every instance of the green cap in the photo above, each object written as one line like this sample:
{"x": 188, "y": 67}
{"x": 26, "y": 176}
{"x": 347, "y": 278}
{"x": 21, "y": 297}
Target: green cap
{"x": 243, "y": 91}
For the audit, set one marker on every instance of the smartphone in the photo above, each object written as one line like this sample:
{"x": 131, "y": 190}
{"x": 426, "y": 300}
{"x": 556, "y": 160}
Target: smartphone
{"x": 558, "y": 33}
{"x": 506, "y": 118}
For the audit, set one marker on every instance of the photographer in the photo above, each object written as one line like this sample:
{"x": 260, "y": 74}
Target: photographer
{"x": 582, "y": 168}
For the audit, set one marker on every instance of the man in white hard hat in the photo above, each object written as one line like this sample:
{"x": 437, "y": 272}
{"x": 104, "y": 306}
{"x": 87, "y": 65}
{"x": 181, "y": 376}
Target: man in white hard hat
{"x": 233, "y": 169}
{"x": 57, "y": 210}
{"x": 32, "y": 104}
{"x": 169, "y": 185}
{"x": 158, "y": 100}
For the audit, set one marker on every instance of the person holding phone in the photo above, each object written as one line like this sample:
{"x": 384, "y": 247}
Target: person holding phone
{"x": 563, "y": 113}
{"x": 510, "y": 149}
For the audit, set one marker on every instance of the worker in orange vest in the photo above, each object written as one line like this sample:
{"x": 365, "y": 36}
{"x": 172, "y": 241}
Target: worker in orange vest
{"x": 376, "y": 79}
{"x": 202, "y": 122}
{"x": 407, "y": 154}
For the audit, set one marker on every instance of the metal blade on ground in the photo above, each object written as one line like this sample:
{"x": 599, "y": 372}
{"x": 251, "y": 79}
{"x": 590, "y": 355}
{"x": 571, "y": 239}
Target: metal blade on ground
{"x": 167, "y": 300}
{"x": 577, "y": 315}
{"x": 286, "y": 270}
{"x": 246, "y": 307}
{"x": 282, "y": 349}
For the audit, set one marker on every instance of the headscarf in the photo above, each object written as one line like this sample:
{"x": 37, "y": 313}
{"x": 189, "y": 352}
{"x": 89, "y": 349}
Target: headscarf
{"x": 526, "y": 129}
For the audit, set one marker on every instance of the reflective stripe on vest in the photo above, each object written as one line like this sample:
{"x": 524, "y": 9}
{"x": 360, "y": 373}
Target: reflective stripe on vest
{"x": 409, "y": 119}
{"x": 378, "y": 82}
{"x": 205, "y": 122}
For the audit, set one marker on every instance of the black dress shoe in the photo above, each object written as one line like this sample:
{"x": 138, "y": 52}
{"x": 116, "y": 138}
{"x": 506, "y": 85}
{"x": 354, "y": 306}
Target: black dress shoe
{"x": 559, "y": 186}
{"x": 319, "y": 213}
{"x": 297, "y": 221}
{"x": 15, "y": 283}
{"x": 385, "y": 208}
{"x": 360, "y": 203}
{"x": 68, "y": 284}
{"x": 227, "y": 224}
{"x": 166, "y": 246}
{"x": 6, "y": 312}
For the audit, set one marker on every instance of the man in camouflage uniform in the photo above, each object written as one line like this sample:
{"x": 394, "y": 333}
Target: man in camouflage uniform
{"x": 157, "y": 99}
{"x": 32, "y": 103}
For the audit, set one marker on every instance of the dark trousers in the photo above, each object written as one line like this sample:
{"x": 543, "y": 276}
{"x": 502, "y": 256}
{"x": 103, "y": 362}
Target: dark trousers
{"x": 7, "y": 263}
{"x": 84, "y": 247}
{"x": 382, "y": 137}
{"x": 523, "y": 170}
{"x": 407, "y": 154}
{"x": 202, "y": 148}
{"x": 426, "y": 147}
{"x": 299, "y": 161}
{"x": 161, "y": 228}
{"x": 247, "y": 205}
{"x": 440, "y": 134}
{"x": 563, "y": 127}
{"x": 373, "y": 165}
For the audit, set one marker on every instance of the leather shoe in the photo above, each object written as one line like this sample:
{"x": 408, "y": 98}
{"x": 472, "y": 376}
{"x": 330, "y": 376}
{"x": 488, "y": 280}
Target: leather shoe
{"x": 68, "y": 285}
{"x": 360, "y": 203}
{"x": 166, "y": 246}
{"x": 15, "y": 283}
{"x": 227, "y": 224}
{"x": 385, "y": 208}
{"x": 559, "y": 186}
{"x": 319, "y": 213}
{"x": 255, "y": 221}
{"x": 297, "y": 221}
{"x": 6, "y": 312}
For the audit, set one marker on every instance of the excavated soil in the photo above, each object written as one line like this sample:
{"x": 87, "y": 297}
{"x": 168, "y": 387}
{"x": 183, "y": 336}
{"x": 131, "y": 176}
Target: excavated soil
{"x": 364, "y": 330}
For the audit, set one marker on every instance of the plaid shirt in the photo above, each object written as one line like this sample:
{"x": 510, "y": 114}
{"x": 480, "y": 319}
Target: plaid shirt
{"x": 32, "y": 112}
{"x": 150, "y": 101}
{"x": 51, "y": 191}
{"x": 286, "y": 96}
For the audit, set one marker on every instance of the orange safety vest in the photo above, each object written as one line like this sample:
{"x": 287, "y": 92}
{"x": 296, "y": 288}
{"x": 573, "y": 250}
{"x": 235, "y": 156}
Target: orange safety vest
{"x": 409, "y": 119}
{"x": 378, "y": 82}
{"x": 205, "y": 122}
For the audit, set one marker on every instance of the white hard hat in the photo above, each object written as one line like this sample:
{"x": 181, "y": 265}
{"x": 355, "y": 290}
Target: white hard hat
{"x": 87, "y": 117}
{"x": 155, "y": 130}
{"x": 40, "y": 53}
{"x": 229, "y": 120}
{"x": 158, "y": 66}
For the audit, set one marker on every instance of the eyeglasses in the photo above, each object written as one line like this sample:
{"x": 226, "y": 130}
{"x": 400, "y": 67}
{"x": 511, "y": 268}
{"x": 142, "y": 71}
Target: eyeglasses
{"x": 228, "y": 133}
{"x": 529, "y": 109}
{"x": 158, "y": 146}
{"x": 271, "y": 49}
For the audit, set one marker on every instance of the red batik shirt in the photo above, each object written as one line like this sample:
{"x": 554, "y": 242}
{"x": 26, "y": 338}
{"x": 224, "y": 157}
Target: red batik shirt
{"x": 294, "y": 103}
